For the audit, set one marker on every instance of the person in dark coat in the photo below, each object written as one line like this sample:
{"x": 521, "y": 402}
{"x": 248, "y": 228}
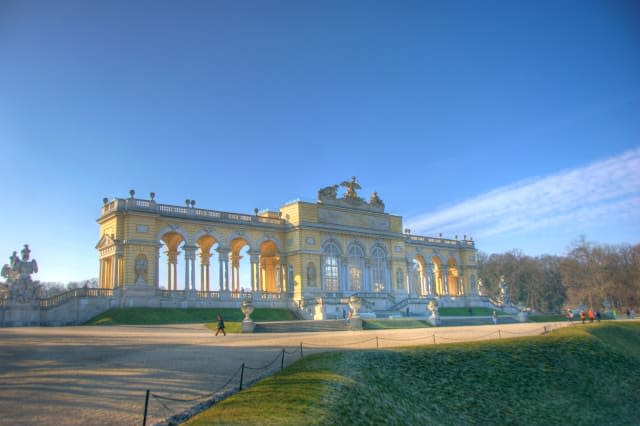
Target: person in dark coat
{"x": 220, "y": 326}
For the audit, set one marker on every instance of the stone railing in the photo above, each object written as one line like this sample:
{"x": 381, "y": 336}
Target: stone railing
{"x": 441, "y": 241}
{"x": 120, "y": 204}
{"x": 59, "y": 299}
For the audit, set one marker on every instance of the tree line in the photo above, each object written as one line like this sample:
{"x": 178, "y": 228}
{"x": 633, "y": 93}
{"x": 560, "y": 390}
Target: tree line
{"x": 51, "y": 288}
{"x": 594, "y": 275}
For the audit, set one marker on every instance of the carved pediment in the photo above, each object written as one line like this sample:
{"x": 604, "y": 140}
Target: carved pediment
{"x": 105, "y": 242}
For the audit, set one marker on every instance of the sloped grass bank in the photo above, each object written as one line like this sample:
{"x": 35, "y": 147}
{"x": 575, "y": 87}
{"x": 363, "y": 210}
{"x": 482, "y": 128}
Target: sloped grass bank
{"x": 157, "y": 316}
{"x": 585, "y": 375}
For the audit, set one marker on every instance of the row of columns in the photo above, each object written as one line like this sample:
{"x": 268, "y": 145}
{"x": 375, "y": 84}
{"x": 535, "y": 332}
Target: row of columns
{"x": 430, "y": 285}
{"x": 110, "y": 271}
{"x": 268, "y": 275}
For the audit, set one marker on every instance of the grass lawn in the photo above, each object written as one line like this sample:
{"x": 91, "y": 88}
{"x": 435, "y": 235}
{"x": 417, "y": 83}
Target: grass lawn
{"x": 379, "y": 324}
{"x": 147, "y": 316}
{"x": 547, "y": 318}
{"x": 586, "y": 375}
{"x": 464, "y": 312}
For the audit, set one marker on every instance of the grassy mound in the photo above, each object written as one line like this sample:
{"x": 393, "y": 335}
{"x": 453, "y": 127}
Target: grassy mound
{"x": 585, "y": 375}
{"x": 140, "y": 316}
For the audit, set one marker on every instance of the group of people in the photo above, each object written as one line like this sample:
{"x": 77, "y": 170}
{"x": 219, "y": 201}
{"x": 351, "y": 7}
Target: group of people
{"x": 593, "y": 316}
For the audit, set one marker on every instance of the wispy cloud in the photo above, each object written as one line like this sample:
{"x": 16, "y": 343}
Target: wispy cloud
{"x": 602, "y": 193}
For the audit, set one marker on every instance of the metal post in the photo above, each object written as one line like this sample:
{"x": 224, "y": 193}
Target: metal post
{"x": 377, "y": 344}
{"x": 499, "y": 334}
{"x": 434, "y": 339}
{"x": 282, "y": 362}
{"x": 301, "y": 350}
{"x": 241, "y": 376}
{"x": 146, "y": 405}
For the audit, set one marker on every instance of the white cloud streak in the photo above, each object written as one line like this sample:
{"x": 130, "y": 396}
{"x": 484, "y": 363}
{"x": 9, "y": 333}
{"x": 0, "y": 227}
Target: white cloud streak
{"x": 604, "y": 192}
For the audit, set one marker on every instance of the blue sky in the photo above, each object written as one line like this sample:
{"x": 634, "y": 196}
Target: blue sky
{"x": 514, "y": 122}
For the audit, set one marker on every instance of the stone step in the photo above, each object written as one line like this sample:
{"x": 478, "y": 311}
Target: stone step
{"x": 300, "y": 326}
{"x": 477, "y": 320}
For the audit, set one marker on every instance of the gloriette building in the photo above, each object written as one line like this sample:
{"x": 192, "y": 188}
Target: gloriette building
{"x": 306, "y": 256}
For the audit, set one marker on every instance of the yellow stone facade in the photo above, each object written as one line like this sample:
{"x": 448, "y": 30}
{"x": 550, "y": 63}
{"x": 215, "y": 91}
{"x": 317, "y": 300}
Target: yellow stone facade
{"x": 306, "y": 251}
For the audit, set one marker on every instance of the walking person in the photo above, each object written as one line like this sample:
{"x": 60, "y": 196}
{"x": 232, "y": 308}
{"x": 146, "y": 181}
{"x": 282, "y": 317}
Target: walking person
{"x": 495, "y": 317}
{"x": 591, "y": 315}
{"x": 220, "y": 326}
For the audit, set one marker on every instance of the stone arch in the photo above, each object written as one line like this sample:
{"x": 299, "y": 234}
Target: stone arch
{"x": 203, "y": 232}
{"x": 331, "y": 265}
{"x": 355, "y": 266}
{"x": 172, "y": 237}
{"x": 420, "y": 284}
{"x": 272, "y": 238}
{"x": 453, "y": 281}
{"x": 379, "y": 268}
{"x": 205, "y": 240}
{"x": 271, "y": 275}
{"x": 177, "y": 229}
{"x": 437, "y": 275}
{"x": 238, "y": 235}
{"x": 336, "y": 242}
{"x": 239, "y": 250}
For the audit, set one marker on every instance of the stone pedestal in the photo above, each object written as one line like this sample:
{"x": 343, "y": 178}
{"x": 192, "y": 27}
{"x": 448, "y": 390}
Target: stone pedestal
{"x": 434, "y": 320}
{"x": 248, "y": 326}
{"x": 133, "y": 296}
{"x": 356, "y": 323}
{"x": 21, "y": 314}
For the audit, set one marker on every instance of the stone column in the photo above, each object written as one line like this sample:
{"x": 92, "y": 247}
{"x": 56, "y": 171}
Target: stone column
{"x": 114, "y": 268}
{"x": 101, "y": 274}
{"x": 410, "y": 278}
{"x": 366, "y": 285}
{"x": 429, "y": 274}
{"x": 254, "y": 258}
{"x": 445, "y": 281}
{"x": 343, "y": 276}
{"x": 157, "y": 267}
{"x": 223, "y": 259}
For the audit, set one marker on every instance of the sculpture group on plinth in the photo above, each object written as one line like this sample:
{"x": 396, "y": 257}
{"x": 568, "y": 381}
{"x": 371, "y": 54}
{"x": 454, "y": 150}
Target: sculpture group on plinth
{"x": 20, "y": 287}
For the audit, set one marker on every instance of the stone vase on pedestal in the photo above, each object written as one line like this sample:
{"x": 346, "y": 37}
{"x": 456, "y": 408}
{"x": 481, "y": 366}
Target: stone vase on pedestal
{"x": 432, "y": 307}
{"x": 247, "y": 323}
{"x": 356, "y": 320}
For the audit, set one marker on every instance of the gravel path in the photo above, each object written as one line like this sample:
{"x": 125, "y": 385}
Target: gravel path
{"x": 99, "y": 375}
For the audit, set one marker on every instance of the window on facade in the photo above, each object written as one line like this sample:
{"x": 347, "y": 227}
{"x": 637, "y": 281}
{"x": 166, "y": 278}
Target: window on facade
{"x": 330, "y": 266}
{"x": 378, "y": 270}
{"x": 356, "y": 267}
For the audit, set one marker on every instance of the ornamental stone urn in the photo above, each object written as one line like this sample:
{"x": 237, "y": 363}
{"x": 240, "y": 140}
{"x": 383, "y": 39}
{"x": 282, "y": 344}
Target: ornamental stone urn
{"x": 355, "y": 322}
{"x": 523, "y": 315}
{"x": 354, "y": 304}
{"x": 432, "y": 307}
{"x": 247, "y": 323}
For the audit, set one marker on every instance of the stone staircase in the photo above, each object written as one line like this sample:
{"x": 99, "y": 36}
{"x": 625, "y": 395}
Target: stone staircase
{"x": 300, "y": 326}
{"x": 475, "y": 320}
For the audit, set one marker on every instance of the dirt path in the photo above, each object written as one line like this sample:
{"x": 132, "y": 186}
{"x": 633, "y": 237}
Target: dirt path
{"x": 99, "y": 375}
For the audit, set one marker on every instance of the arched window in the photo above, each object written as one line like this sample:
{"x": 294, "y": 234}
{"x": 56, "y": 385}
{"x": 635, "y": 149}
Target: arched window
{"x": 331, "y": 266}
{"x": 356, "y": 268}
{"x": 378, "y": 270}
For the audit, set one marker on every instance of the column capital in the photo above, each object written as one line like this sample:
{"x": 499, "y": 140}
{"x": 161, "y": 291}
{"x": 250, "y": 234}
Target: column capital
{"x": 223, "y": 251}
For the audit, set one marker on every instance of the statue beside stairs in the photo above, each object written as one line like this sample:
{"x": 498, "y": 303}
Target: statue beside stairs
{"x": 22, "y": 306}
{"x": 21, "y": 288}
